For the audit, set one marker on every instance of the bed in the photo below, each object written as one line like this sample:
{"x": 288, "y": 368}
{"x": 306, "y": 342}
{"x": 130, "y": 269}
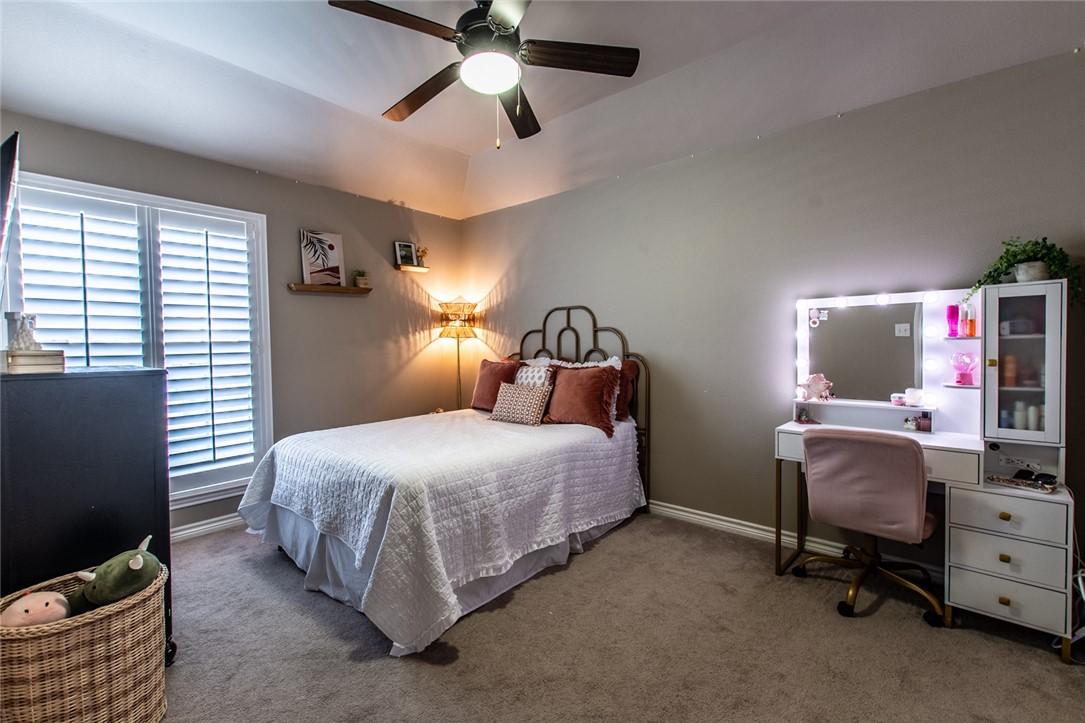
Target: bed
{"x": 416, "y": 522}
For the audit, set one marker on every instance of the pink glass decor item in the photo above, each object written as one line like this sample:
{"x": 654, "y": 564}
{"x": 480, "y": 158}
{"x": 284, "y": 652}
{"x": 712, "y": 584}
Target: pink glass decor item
{"x": 953, "y": 315}
{"x": 964, "y": 364}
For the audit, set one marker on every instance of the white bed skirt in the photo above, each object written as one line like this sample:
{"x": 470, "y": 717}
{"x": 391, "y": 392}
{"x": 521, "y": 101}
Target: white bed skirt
{"x": 329, "y": 564}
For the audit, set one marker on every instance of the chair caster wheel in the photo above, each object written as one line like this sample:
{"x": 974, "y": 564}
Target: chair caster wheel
{"x": 845, "y": 610}
{"x": 798, "y": 571}
{"x": 934, "y": 619}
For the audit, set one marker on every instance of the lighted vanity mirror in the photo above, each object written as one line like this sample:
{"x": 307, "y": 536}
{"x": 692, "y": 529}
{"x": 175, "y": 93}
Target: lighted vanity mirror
{"x": 869, "y": 352}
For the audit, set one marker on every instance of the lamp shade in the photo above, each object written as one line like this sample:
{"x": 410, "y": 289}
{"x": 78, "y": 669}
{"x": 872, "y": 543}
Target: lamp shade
{"x": 458, "y": 330}
{"x": 458, "y": 309}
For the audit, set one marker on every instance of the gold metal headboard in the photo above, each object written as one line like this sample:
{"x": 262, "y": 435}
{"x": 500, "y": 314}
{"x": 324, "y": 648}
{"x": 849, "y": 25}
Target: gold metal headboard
{"x": 639, "y": 405}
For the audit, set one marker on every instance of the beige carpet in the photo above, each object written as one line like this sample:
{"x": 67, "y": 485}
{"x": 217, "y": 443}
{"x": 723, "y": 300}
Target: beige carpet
{"x": 660, "y": 620}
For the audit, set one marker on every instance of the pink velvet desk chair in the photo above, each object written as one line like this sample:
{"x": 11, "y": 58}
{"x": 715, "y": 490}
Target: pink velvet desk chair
{"x": 874, "y": 483}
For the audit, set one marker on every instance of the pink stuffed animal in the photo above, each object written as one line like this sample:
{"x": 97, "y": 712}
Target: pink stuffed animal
{"x": 35, "y": 608}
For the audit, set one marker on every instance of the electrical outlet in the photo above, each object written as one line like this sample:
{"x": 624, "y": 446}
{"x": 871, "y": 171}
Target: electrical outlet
{"x": 1019, "y": 462}
{"x": 903, "y": 329}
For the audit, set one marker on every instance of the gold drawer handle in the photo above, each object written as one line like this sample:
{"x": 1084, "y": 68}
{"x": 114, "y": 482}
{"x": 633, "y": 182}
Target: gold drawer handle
{"x": 992, "y": 362}
{"x": 1003, "y": 557}
{"x": 1003, "y": 600}
{"x": 1004, "y": 516}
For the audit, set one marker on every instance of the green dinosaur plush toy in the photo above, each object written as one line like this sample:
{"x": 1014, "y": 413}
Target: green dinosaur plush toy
{"x": 115, "y": 579}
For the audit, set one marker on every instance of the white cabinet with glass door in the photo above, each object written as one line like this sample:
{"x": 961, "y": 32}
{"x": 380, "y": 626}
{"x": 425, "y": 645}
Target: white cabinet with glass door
{"x": 1024, "y": 344}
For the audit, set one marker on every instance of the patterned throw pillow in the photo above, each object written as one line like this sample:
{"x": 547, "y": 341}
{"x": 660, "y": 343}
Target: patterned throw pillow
{"x": 521, "y": 404}
{"x": 533, "y": 375}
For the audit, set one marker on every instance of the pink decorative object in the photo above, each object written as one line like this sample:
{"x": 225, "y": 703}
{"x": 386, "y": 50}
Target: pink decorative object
{"x": 815, "y": 388}
{"x": 964, "y": 364}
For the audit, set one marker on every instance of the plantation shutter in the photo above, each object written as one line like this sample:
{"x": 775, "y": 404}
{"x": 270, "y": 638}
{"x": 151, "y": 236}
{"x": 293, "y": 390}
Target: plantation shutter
{"x": 82, "y": 276}
{"x": 118, "y": 278}
{"x": 207, "y": 340}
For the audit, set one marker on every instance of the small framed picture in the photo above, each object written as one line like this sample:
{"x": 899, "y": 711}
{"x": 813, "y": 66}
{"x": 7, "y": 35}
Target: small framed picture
{"x": 322, "y": 258}
{"x": 406, "y": 253}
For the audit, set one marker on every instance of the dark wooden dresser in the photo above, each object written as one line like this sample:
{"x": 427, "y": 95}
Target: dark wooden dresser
{"x": 83, "y": 472}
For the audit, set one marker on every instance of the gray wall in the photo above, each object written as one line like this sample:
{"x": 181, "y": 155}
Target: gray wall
{"x": 335, "y": 360}
{"x": 700, "y": 261}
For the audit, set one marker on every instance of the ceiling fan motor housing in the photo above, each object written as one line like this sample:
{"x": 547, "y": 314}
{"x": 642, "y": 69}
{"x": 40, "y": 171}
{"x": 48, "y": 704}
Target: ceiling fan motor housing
{"x": 475, "y": 34}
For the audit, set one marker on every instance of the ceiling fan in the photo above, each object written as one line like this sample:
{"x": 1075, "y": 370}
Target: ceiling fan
{"x": 488, "y": 36}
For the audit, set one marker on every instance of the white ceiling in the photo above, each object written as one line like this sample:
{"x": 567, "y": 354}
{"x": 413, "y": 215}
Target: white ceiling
{"x": 297, "y": 88}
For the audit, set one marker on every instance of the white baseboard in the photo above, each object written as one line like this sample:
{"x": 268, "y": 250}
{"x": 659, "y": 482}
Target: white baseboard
{"x": 815, "y": 545}
{"x": 208, "y": 493}
{"x": 206, "y": 527}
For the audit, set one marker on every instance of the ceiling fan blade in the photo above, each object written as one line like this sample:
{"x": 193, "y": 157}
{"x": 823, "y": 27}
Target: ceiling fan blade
{"x": 424, "y": 93}
{"x": 524, "y": 123}
{"x": 606, "y": 59}
{"x": 396, "y": 17}
{"x": 505, "y": 15}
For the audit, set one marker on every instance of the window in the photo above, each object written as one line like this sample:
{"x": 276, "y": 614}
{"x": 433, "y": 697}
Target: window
{"x": 125, "y": 279}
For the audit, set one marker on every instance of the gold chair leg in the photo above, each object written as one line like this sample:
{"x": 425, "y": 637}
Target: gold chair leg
{"x": 838, "y": 561}
{"x": 947, "y": 617}
{"x": 1066, "y": 658}
{"x": 935, "y": 603}
{"x": 901, "y": 566}
{"x": 857, "y": 582}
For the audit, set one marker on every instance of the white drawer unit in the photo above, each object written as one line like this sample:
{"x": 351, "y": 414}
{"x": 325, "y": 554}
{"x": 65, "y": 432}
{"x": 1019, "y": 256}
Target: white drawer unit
{"x": 789, "y": 446}
{"x": 1009, "y": 557}
{"x": 1030, "y": 517}
{"x": 960, "y": 467}
{"x": 1015, "y": 601}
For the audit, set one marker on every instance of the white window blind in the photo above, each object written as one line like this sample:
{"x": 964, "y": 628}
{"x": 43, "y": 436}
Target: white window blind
{"x": 123, "y": 279}
{"x": 82, "y": 275}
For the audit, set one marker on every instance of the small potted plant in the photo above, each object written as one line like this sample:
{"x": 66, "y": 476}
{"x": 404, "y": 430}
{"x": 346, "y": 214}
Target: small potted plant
{"x": 360, "y": 279}
{"x": 1032, "y": 260}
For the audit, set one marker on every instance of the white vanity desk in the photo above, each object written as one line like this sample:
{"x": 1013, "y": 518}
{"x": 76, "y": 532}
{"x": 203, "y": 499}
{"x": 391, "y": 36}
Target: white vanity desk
{"x": 1009, "y": 551}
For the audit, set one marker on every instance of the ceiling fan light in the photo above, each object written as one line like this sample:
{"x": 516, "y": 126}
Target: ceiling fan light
{"x": 490, "y": 72}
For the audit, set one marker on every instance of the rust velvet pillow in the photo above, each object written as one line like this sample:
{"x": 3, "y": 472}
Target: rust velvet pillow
{"x": 630, "y": 372}
{"x": 583, "y": 396}
{"x": 488, "y": 384}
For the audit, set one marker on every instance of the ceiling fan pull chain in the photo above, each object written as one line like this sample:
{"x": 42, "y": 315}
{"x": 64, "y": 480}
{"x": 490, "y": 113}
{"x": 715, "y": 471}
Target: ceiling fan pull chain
{"x": 517, "y": 100}
{"x": 497, "y": 120}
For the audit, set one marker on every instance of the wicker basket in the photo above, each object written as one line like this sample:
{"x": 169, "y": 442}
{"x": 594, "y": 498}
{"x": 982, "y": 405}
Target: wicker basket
{"x": 104, "y": 665}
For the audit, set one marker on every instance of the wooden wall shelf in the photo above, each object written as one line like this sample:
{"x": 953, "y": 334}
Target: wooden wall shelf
{"x": 412, "y": 267}
{"x": 326, "y": 289}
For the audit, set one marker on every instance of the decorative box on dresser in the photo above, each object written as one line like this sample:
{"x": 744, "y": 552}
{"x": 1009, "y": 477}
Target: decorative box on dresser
{"x": 83, "y": 472}
{"x": 1010, "y": 552}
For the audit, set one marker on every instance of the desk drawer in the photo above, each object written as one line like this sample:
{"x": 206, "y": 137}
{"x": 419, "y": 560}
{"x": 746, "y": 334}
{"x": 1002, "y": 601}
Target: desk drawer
{"x": 789, "y": 446}
{"x": 1020, "y": 559}
{"x": 1009, "y": 600}
{"x": 1032, "y": 518}
{"x": 952, "y": 466}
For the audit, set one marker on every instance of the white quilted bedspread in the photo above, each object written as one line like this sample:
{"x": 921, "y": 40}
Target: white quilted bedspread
{"x": 463, "y": 498}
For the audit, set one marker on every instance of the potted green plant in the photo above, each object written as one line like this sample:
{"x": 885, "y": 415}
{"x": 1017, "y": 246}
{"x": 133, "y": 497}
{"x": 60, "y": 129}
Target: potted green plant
{"x": 1032, "y": 260}
{"x": 360, "y": 279}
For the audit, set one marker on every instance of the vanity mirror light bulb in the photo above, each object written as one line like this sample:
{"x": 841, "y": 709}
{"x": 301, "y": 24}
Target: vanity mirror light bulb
{"x": 882, "y": 299}
{"x": 931, "y": 331}
{"x": 932, "y": 364}
{"x": 930, "y": 297}
{"x": 840, "y": 302}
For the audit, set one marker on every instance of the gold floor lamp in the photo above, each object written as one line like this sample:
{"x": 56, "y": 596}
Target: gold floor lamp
{"x": 458, "y": 318}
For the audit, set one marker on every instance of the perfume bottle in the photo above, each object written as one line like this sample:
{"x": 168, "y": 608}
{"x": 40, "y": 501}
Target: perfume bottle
{"x": 970, "y": 322}
{"x": 953, "y": 314}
